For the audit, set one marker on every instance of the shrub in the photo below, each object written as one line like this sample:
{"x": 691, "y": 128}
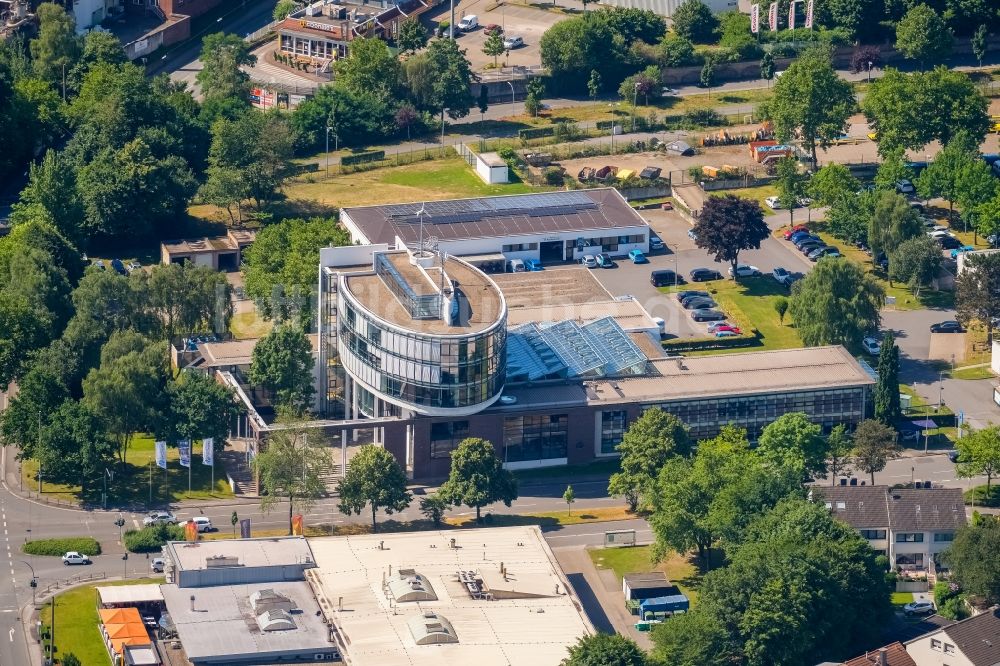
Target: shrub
{"x": 536, "y": 132}
{"x": 152, "y": 539}
{"x": 553, "y": 176}
{"x": 59, "y": 547}
{"x": 361, "y": 158}
{"x": 954, "y": 609}
{"x": 943, "y": 591}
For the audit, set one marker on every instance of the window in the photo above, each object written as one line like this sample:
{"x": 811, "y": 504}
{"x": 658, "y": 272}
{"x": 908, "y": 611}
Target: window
{"x": 446, "y": 436}
{"x": 949, "y": 648}
{"x": 935, "y": 644}
{"x": 940, "y": 537}
{"x": 909, "y": 537}
{"x": 541, "y": 437}
{"x": 872, "y": 534}
{"x": 910, "y": 559}
{"x": 612, "y": 430}
{"x": 520, "y": 247}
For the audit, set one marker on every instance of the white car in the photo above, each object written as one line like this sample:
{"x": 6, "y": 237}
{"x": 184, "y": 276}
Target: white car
{"x": 202, "y": 522}
{"x": 918, "y": 608}
{"x": 745, "y": 270}
{"x": 157, "y": 564}
{"x": 589, "y": 260}
{"x": 668, "y": 92}
{"x": 905, "y": 187}
{"x": 73, "y": 557}
{"x": 513, "y": 42}
{"x": 872, "y": 346}
{"x": 159, "y": 518}
{"x": 940, "y": 233}
{"x": 470, "y": 22}
{"x": 713, "y": 326}
{"x": 774, "y": 203}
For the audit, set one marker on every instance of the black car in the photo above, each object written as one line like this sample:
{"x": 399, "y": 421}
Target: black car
{"x": 809, "y": 247}
{"x": 707, "y": 315}
{"x": 698, "y": 303}
{"x": 953, "y": 456}
{"x": 799, "y": 242}
{"x": 681, "y": 295}
{"x": 949, "y": 242}
{"x": 947, "y": 327}
{"x": 665, "y": 278}
{"x": 705, "y": 274}
{"x": 118, "y": 266}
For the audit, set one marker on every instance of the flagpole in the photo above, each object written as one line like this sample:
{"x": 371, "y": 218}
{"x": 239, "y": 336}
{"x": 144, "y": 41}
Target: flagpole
{"x": 150, "y": 483}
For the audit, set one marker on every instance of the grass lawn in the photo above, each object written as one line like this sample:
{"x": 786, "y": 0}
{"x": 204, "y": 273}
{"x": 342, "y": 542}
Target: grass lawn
{"x": 607, "y": 466}
{"x": 249, "y": 325}
{"x": 547, "y": 519}
{"x": 757, "y": 194}
{"x": 77, "y": 622}
{"x": 680, "y": 569}
{"x": 980, "y": 497}
{"x": 972, "y": 372}
{"x": 132, "y": 485}
{"x": 447, "y": 178}
{"x": 901, "y": 598}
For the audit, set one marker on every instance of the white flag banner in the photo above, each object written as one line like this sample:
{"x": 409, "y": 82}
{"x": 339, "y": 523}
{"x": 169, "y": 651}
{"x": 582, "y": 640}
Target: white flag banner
{"x": 184, "y": 449}
{"x": 791, "y": 16}
{"x": 755, "y": 18}
{"x": 809, "y": 14}
{"x": 208, "y": 451}
{"x": 161, "y": 454}
{"x": 772, "y": 17}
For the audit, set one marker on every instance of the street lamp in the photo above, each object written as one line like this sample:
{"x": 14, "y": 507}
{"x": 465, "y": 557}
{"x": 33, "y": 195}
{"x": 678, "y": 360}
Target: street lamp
{"x": 869, "y": 71}
{"x": 336, "y": 147}
{"x": 613, "y": 106}
{"x": 120, "y": 523}
{"x": 511, "y": 84}
{"x": 34, "y": 581}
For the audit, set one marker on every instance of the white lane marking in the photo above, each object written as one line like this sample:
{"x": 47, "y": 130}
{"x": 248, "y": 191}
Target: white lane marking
{"x": 12, "y": 634}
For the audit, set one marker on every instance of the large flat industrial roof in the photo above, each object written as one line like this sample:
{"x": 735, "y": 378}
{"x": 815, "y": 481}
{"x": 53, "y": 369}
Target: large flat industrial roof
{"x": 496, "y": 217}
{"x": 684, "y": 378}
{"x": 564, "y": 286}
{"x": 531, "y": 619}
{"x": 261, "y": 552}
{"x": 629, "y": 313}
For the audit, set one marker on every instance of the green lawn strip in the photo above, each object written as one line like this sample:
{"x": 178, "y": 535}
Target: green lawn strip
{"x": 757, "y": 194}
{"x": 59, "y": 547}
{"x": 454, "y": 174}
{"x": 246, "y": 325}
{"x": 972, "y": 372}
{"x": 680, "y": 570}
{"x": 77, "y": 622}
{"x": 131, "y": 485}
{"x": 978, "y": 496}
{"x": 901, "y": 598}
{"x": 607, "y": 466}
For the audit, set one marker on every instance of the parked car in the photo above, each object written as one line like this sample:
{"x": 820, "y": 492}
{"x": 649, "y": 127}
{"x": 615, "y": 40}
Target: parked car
{"x": 953, "y": 456}
{"x": 668, "y": 92}
{"x": 727, "y": 328}
{"x": 796, "y": 229}
{"x": 707, "y": 315}
{"x": 99, "y": 263}
{"x": 799, "y": 235}
{"x": 725, "y": 333}
{"x": 698, "y": 303}
{"x": 490, "y": 28}
{"x": 949, "y": 242}
{"x": 637, "y": 257}
{"x": 202, "y": 522}
{"x": 940, "y": 232}
{"x": 782, "y": 276}
{"x": 961, "y": 250}
{"x": 73, "y": 557}
{"x": 745, "y": 270}
{"x": 808, "y": 238}
{"x": 159, "y": 518}
{"x": 705, "y": 274}
{"x": 513, "y": 42}
{"x": 656, "y": 243}
{"x": 156, "y": 565}
{"x": 681, "y": 295}
{"x": 532, "y": 265}
{"x": 714, "y": 326}
{"x": 807, "y": 248}
{"x": 692, "y": 235}
{"x": 872, "y": 346}
{"x": 923, "y": 607}
{"x": 132, "y": 267}
{"x": 589, "y": 260}
{"x": 516, "y": 266}
{"x": 665, "y": 278}
{"x": 118, "y": 267}
{"x": 825, "y": 251}
{"x": 604, "y": 260}
{"x": 950, "y": 326}
{"x": 905, "y": 187}
{"x": 470, "y": 22}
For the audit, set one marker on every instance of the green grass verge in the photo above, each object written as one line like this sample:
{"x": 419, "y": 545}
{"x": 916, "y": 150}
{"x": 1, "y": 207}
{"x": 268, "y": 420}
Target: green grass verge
{"x": 901, "y": 598}
{"x": 757, "y": 194}
{"x": 607, "y": 466}
{"x": 980, "y": 497}
{"x": 973, "y": 372}
{"x": 59, "y": 547}
{"x": 246, "y": 325}
{"x": 132, "y": 484}
{"x": 77, "y": 621}
{"x": 548, "y": 519}
{"x": 680, "y": 569}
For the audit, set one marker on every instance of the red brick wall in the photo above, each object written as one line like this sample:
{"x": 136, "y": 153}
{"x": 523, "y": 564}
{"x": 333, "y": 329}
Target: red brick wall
{"x": 177, "y": 32}
{"x": 187, "y": 7}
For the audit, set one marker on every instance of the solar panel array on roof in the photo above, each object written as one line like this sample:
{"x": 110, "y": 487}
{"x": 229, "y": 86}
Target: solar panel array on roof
{"x": 566, "y": 349}
{"x": 467, "y": 210}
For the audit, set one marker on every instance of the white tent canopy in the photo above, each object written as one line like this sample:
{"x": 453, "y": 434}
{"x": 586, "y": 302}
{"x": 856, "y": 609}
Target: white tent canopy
{"x": 129, "y": 594}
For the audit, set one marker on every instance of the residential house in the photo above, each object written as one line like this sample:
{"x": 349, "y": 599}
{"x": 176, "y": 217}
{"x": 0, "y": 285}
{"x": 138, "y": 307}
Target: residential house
{"x": 893, "y": 654}
{"x": 972, "y": 642}
{"x": 911, "y": 526}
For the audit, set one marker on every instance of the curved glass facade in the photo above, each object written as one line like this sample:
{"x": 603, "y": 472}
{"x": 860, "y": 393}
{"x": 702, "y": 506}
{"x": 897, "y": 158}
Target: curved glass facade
{"x": 425, "y": 372}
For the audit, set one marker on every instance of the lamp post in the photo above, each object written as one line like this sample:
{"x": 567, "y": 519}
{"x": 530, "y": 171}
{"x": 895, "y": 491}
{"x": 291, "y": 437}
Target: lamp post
{"x": 613, "y": 106}
{"x": 34, "y": 581}
{"x": 120, "y": 523}
{"x": 635, "y": 99}
{"x": 511, "y": 84}
{"x": 869, "y": 71}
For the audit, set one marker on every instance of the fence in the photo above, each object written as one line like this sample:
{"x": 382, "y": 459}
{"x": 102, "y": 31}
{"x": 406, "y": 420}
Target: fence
{"x": 69, "y": 582}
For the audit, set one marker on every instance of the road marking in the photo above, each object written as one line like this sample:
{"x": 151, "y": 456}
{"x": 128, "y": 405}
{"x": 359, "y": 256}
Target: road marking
{"x": 12, "y": 634}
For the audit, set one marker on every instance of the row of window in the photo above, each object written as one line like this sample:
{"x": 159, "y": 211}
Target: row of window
{"x": 541, "y": 437}
{"x": 907, "y": 537}
{"x": 520, "y": 247}
{"x": 947, "y": 648}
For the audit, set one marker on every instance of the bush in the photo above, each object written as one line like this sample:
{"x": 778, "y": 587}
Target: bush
{"x": 59, "y": 547}
{"x": 943, "y": 591}
{"x": 536, "y": 132}
{"x": 704, "y": 117}
{"x": 152, "y": 539}
{"x": 553, "y": 176}
{"x": 954, "y": 609}
{"x": 361, "y": 158}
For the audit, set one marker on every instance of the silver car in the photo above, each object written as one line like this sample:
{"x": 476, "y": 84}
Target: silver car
{"x": 159, "y": 518}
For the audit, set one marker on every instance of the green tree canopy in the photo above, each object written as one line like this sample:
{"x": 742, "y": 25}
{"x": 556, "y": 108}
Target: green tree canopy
{"x": 942, "y": 176}
{"x": 412, "y": 36}
{"x": 220, "y": 78}
{"x": 292, "y": 467}
{"x": 893, "y": 222}
{"x": 605, "y": 650}
{"x": 886, "y": 398}
{"x": 728, "y": 225}
{"x": 916, "y": 262}
{"x": 791, "y": 185}
{"x": 73, "y": 446}
{"x": 251, "y": 153}
{"x": 922, "y": 35}
{"x": 694, "y": 21}
{"x": 972, "y": 558}
{"x": 979, "y": 454}
{"x": 370, "y": 66}
{"x": 650, "y": 441}
{"x": 977, "y": 290}
{"x": 874, "y": 446}
{"x": 282, "y": 363}
{"x": 373, "y": 478}
{"x": 832, "y": 183}
{"x": 57, "y": 48}
{"x": 477, "y": 477}
{"x": 200, "y": 407}
{"x": 836, "y": 304}
{"x": 793, "y": 441}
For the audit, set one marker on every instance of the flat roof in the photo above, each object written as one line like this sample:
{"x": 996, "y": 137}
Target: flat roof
{"x": 480, "y": 307}
{"x": 232, "y": 241}
{"x": 260, "y": 552}
{"x": 532, "y": 619}
{"x": 129, "y": 594}
{"x": 685, "y": 378}
{"x": 646, "y": 579}
{"x": 497, "y": 217}
{"x": 559, "y": 287}
{"x": 238, "y": 352}
{"x": 629, "y": 313}
{"x": 220, "y": 626}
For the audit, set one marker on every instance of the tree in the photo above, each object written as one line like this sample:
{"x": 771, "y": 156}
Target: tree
{"x": 449, "y": 88}
{"x": 791, "y": 185}
{"x": 674, "y": 51}
{"x": 865, "y": 58}
{"x": 57, "y": 48}
{"x": 42, "y": 389}
{"x": 406, "y": 115}
{"x": 973, "y": 561}
{"x": 605, "y": 650}
{"x": 987, "y": 216}
{"x": 736, "y": 40}
{"x": 412, "y": 36}
{"x": 233, "y": 520}
{"x": 73, "y": 446}
{"x": 694, "y": 21}
{"x": 836, "y": 304}
{"x": 371, "y": 66}
{"x": 977, "y": 291}
{"x": 893, "y": 222}
{"x": 978, "y": 42}
{"x": 69, "y": 659}
{"x": 188, "y": 299}
{"x": 493, "y": 46}
{"x": 282, "y": 363}
{"x": 874, "y": 446}
{"x": 373, "y": 478}
{"x": 838, "y": 448}
{"x": 282, "y": 9}
{"x": 594, "y": 84}
{"x": 533, "y": 100}
{"x": 433, "y": 508}
{"x": 942, "y": 175}
{"x": 477, "y": 477}
{"x": 848, "y": 217}
{"x": 648, "y": 443}
{"x": 569, "y": 497}
{"x": 200, "y": 407}
{"x": 249, "y": 156}
{"x": 916, "y": 262}
{"x": 484, "y": 100}
{"x": 707, "y": 76}
{"x": 292, "y": 467}
{"x": 886, "y": 395}
{"x": 922, "y": 35}
{"x": 831, "y": 183}
{"x": 793, "y": 441}
{"x": 811, "y": 100}
{"x": 767, "y": 67}
{"x": 781, "y": 307}
{"x": 728, "y": 225}
{"x": 220, "y": 78}
{"x": 279, "y": 269}
{"x": 52, "y": 188}
{"x": 975, "y": 188}
{"x": 979, "y": 455}
{"x": 693, "y": 639}
{"x": 644, "y": 83}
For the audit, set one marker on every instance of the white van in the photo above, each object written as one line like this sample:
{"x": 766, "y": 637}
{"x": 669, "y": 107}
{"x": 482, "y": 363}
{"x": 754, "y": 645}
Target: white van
{"x": 470, "y": 22}
{"x": 516, "y": 266}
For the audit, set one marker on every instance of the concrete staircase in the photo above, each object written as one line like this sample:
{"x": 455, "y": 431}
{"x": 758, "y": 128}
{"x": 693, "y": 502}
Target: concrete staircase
{"x": 234, "y": 462}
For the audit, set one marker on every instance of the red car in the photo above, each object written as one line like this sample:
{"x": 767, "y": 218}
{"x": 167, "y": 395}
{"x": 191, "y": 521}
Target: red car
{"x": 492, "y": 28}
{"x": 797, "y": 228}
{"x": 731, "y": 329}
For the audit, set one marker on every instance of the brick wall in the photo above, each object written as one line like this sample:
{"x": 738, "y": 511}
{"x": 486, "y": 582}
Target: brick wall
{"x": 187, "y": 7}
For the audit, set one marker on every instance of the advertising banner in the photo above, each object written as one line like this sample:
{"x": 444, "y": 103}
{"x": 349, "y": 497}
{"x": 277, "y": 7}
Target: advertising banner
{"x": 161, "y": 454}
{"x": 297, "y": 525}
{"x": 755, "y": 18}
{"x": 809, "y": 14}
{"x": 208, "y": 451}
{"x": 245, "y": 528}
{"x": 184, "y": 448}
{"x": 772, "y": 17}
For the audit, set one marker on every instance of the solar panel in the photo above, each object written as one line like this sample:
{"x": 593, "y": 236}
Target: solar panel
{"x": 441, "y": 212}
{"x": 560, "y": 349}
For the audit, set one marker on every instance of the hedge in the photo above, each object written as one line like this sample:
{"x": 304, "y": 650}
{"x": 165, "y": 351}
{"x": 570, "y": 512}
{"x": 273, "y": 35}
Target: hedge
{"x": 59, "y": 547}
{"x": 361, "y": 158}
{"x": 536, "y": 132}
{"x": 152, "y": 539}
{"x": 700, "y": 344}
